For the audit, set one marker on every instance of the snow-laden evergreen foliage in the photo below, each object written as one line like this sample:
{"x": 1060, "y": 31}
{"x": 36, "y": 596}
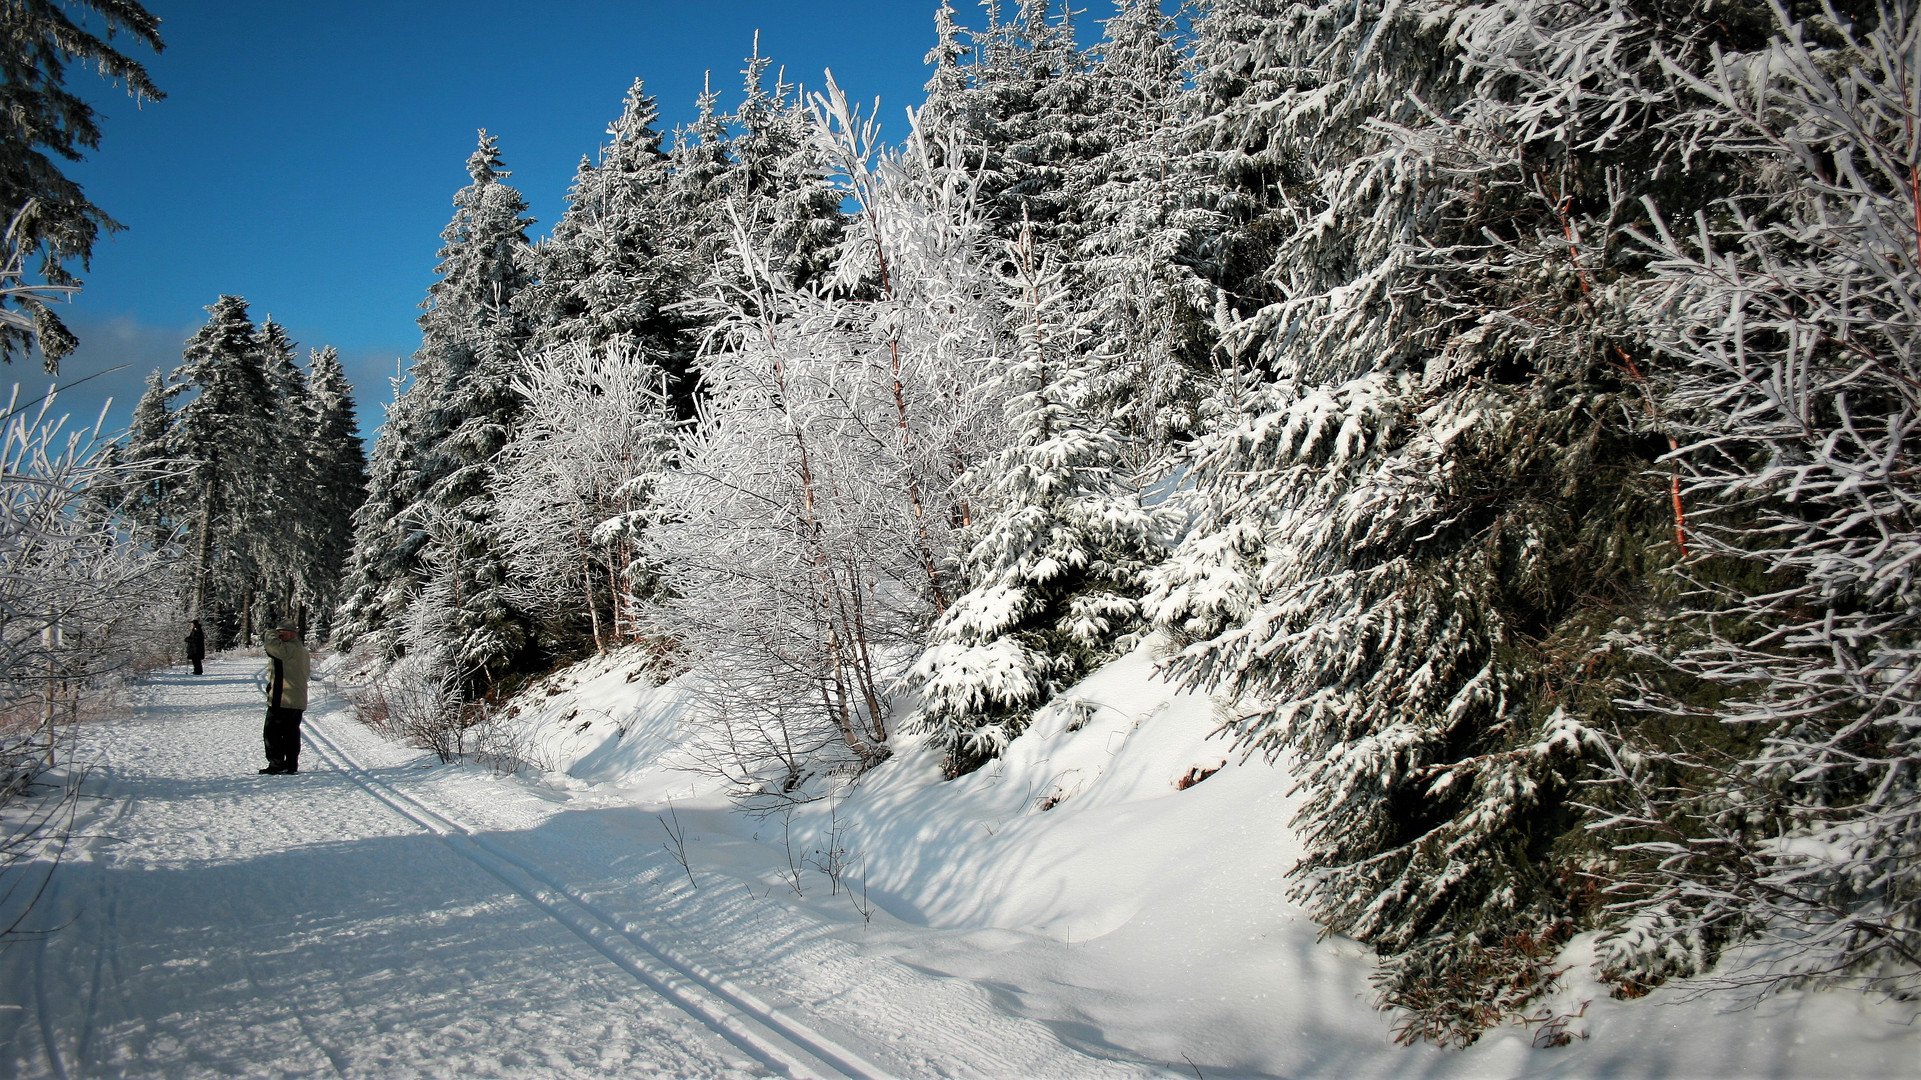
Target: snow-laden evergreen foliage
{"x": 147, "y": 501}
{"x": 777, "y": 178}
{"x": 1057, "y": 549}
{"x": 338, "y": 464}
{"x": 235, "y": 453}
{"x": 1041, "y": 97}
{"x": 698, "y": 196}
{"x": 1024, "y": 115}
{"x": 387, "y": 531}
{"x": 289, "y": 532}
{"x": 430, "y": 513}
{"x": 1789, "y": 316}
{"x": 1148, "y": 307}
{"x": 618, "y": 261}
{"x": 1084, "y": 148}
{"x": 1531, "y": 376}
{"x": 225, "y": 430}
{"x": 49, "y": 219}
{"x": 1425, "y": 523}
{"x": 944, "y": 108}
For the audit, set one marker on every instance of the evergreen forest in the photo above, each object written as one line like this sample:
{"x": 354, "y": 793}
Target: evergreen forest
{"x": 1501, "y": 409}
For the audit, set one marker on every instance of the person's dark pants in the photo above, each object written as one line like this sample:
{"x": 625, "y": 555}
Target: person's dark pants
{"x": 282, "y": 735}
{"x": 196, "y": 666}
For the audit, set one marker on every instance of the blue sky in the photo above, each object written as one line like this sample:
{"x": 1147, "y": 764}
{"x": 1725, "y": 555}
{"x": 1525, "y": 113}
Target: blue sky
{"x": 306, "y": 154}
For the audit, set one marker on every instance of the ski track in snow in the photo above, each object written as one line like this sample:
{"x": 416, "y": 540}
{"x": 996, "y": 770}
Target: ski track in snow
{"x": 374, "y": 918}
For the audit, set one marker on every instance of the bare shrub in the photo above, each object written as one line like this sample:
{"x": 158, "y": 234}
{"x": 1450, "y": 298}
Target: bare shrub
{"x": 417, "y": 703}
{"x": 422, "y": 705}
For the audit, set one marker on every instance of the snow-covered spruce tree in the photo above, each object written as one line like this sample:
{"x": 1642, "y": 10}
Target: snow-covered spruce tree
{"x": 432, "y": 473}
{"x": 1244, "y": 172}
{"x": 1057, "y": 551}
{"x": 1787, "y": 315}
{"x": 1428, "y": 523}
{"x": 946, "y": 103}
{"x": 224, "y": 432}
{"x": 698, "y": 192}
{"x": 777, "y": 177}
{"x": 339, "y": 468}
{"x": 617, "y": 262}
{"x": 150, "y": 499}
{"x": 1051, "y": 119}
{"x": 806, "y": 541}
{"x": 1022, "y": 116}
{"x": 1150, "y": 311}
{"x": 290, "y": 521}
{"x": 286, "y": 383}
{"x": 388, "y": 533}
{"x": 575, "y": 491}
{"x": 462, "y": 505}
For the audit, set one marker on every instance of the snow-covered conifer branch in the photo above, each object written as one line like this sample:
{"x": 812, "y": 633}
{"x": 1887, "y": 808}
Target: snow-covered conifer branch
{"x": 1054, "y": 559}
{"x": 1792, "y": 312}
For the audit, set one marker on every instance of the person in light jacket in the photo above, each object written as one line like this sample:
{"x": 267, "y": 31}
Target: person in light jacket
{"x": 196, "y": 645}
{"x": 287, "y": 668}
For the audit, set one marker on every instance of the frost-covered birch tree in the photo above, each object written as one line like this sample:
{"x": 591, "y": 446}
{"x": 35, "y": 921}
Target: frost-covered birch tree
{"x": 83, "y": 595}
{"x": 806, "y": 537}
{"x": 576, "y": 488}
{"x": 79, "y": 595}
{"x": 83, "y": 600}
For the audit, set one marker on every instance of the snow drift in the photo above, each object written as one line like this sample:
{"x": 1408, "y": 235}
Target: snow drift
{"x": 1120, "y": 874}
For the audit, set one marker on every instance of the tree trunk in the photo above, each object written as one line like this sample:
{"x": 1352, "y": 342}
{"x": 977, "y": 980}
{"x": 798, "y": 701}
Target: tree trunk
{"x": 202, "y": 554}
{"x": 587, "y": 584}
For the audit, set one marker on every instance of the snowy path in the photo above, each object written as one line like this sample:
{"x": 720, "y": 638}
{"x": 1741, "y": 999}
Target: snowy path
{"x": 373, "y": 918}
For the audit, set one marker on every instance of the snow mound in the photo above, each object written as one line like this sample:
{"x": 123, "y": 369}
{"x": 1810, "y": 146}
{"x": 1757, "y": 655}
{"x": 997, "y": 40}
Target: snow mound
{"x": 605, "y": 726}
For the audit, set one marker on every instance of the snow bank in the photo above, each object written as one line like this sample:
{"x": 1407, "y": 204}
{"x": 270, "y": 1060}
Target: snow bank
{"x": 1120, "y": 875}
{"x": 604, "y": 725}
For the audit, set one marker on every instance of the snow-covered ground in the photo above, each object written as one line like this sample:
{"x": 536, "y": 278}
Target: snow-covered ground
{"x": 381, "y": 915}
{"x": 372, "y": 917}
{"x": 1085, "y": 886}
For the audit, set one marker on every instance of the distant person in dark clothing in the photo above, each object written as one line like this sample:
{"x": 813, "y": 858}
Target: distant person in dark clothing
{"x": 287, "y": 667}
{"x": 196, "y": 645}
